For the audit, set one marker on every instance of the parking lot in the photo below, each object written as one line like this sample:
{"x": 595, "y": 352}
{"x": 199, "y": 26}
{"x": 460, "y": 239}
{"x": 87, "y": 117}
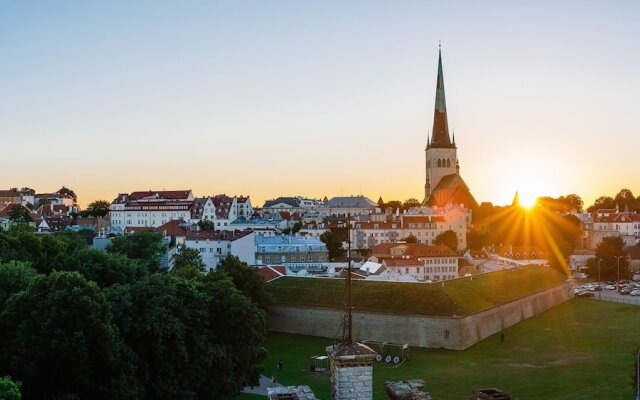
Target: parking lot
{"x": 587, "y": 290}
{"x": 612, "y": 295}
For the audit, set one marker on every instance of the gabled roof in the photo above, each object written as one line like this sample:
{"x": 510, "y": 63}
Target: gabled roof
{"x": 57, "y": 223}
{"x": 452, "y": 190}
{"x": 9, "y": 193}
{"x": 291, "y": 201}
{"x": 351, "y": 202}
{"x": 172, "y": 228}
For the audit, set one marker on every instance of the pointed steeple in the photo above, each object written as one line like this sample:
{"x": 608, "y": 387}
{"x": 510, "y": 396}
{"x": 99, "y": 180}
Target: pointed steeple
{"x": 516, "y": 200}
{"x": 440, "y": 136}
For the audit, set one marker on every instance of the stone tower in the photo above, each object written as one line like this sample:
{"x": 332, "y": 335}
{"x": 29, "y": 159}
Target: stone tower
{"x": 441, "y": 152}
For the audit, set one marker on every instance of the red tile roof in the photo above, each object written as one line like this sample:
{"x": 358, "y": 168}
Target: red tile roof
{"x": 172, "y": 228}
{"x": 401, "y": 262}
{"x": 163, "y": 194}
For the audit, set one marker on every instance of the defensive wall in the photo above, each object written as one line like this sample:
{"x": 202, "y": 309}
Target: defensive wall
{"x": 455, "y": 333}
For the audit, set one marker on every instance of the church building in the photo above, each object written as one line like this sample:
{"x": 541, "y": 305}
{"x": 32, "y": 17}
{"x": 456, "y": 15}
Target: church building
{"x": 444, "y": 185}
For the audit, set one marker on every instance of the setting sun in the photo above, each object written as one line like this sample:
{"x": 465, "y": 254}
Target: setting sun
{"x": 528, "y": 199}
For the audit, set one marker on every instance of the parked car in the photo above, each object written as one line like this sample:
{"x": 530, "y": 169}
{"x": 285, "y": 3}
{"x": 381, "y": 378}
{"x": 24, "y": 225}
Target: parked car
{"x": 585, "y": 294}
{"x": 625, "y": 290}
{"x": 610, "y": 287}
{"x": 635, "y": 292}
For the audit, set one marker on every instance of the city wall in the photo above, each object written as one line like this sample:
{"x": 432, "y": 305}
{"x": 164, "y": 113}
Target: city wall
{"x": 456, "y": 333}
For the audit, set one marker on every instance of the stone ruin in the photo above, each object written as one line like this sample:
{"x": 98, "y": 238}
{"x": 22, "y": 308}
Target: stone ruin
{"x": 490, "y": 394}
{"x": 302, "y": 392}
{"x": 407, "y": 390}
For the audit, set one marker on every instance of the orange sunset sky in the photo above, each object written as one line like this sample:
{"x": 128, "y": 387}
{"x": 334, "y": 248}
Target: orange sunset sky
{"x": 318, "y": 98}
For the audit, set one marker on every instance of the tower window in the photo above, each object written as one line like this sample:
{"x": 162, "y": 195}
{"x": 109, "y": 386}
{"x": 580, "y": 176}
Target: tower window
{"x": 448, "y": 163}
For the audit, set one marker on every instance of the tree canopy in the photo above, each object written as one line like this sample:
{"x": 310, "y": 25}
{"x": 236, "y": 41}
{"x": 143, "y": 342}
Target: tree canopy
{"x": 144, "y": 246}
{"x": 68, "y": 192}
{"x": 608, "y": 253}
{"x": 58, "y": 339}
{"x": 334, "y": 246}
{"x": 78, "y": 323}
{"x": 98, "y": 208}
{"x": 20, "y": 214}
{"x": 448, "y": 238}
{"x": 188, "y": 257}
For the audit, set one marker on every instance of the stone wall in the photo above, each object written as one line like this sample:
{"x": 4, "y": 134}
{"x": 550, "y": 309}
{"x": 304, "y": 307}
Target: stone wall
{"x": 456, "y": 333}
{"x": 353, "y": 383}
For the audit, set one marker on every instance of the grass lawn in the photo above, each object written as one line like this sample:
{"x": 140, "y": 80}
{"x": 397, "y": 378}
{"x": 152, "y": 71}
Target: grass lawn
{"x": 583, "y": 349}
{"x": 458, "y": 296}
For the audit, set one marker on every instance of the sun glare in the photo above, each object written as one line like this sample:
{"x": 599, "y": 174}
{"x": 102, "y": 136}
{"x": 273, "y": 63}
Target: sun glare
{"x": 528, "y": 200}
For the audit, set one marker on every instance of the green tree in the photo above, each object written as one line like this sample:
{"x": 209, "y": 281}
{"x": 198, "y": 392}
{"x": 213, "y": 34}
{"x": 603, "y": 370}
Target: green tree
{"x": 14, "y": 277}
{"x": 410, "y": 239}
{"x": 410, "y": 203}
{"x": 246, "y": 280}
{"x": 106, "y": 269}
{"x": 68, "y": 192}
{"x": 20, "y": 214}
{"x": 57, "y": 337}
{"x": 194, "y": 338}
{"x": 28, "y": 190}
{"x": 625, "y": 199}
{"x": 206, "y": 225}
{"x": 296, "y": 227}
{"x": 43, "y": 202}
{"x": 188, "y": 257}
{"x": 334, "y": 246}
{"x": 392, "y": 205}
{"x": 9, "y": 390}
{"x": 477, "y": 238}
{"x": 607, "y": 252}
{"x": 448, "y": 238}
{"x": 602, "y": 202}
{"x": 144, "y": 246}
{"x": 98, "y": 208}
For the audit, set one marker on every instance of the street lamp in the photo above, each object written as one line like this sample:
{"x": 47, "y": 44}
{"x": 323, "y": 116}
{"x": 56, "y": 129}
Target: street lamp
{"x": 618, "y": 283}
{"x": 599, "y": 285}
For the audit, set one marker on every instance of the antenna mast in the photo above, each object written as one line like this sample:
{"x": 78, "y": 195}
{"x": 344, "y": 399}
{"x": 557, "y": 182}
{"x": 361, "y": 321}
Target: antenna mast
{"x": 347, "y": 332}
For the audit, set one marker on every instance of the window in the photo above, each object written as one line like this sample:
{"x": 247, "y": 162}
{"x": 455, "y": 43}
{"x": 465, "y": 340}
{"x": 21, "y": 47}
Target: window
{"x": 446, "y": 334}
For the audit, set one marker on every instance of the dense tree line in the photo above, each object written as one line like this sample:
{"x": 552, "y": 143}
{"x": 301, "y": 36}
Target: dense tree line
{"x": 77, "y": 323}
{"x": 543, "y": 226}
{"x": 624, "y": 200}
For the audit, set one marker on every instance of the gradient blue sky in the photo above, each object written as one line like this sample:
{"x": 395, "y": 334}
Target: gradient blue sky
{"x": 272, "y": 98}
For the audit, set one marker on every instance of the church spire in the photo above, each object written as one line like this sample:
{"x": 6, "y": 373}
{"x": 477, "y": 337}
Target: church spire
{"x": 440, "y": 133}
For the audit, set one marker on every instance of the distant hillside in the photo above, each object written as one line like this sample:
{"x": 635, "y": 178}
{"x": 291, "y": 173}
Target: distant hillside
{"x": 457, "y": 297}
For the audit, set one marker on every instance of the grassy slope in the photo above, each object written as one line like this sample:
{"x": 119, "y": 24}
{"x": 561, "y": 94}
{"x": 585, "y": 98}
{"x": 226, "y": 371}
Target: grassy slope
{"x": 460, "y": 296}
{"x": 579, "y": 350}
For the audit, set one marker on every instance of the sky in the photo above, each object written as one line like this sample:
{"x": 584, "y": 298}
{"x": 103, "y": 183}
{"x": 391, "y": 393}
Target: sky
{"x": 331, "y": 98}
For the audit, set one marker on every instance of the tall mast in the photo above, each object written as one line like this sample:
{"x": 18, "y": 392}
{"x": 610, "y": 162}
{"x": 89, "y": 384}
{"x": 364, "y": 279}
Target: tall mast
{"x": 347, "y": 337}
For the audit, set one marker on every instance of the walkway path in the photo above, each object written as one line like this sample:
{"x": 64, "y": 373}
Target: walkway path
{"x": 262, "y": 389}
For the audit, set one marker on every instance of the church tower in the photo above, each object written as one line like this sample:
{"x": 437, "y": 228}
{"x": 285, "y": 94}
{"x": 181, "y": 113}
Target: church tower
{"x": 441, "y": 152}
